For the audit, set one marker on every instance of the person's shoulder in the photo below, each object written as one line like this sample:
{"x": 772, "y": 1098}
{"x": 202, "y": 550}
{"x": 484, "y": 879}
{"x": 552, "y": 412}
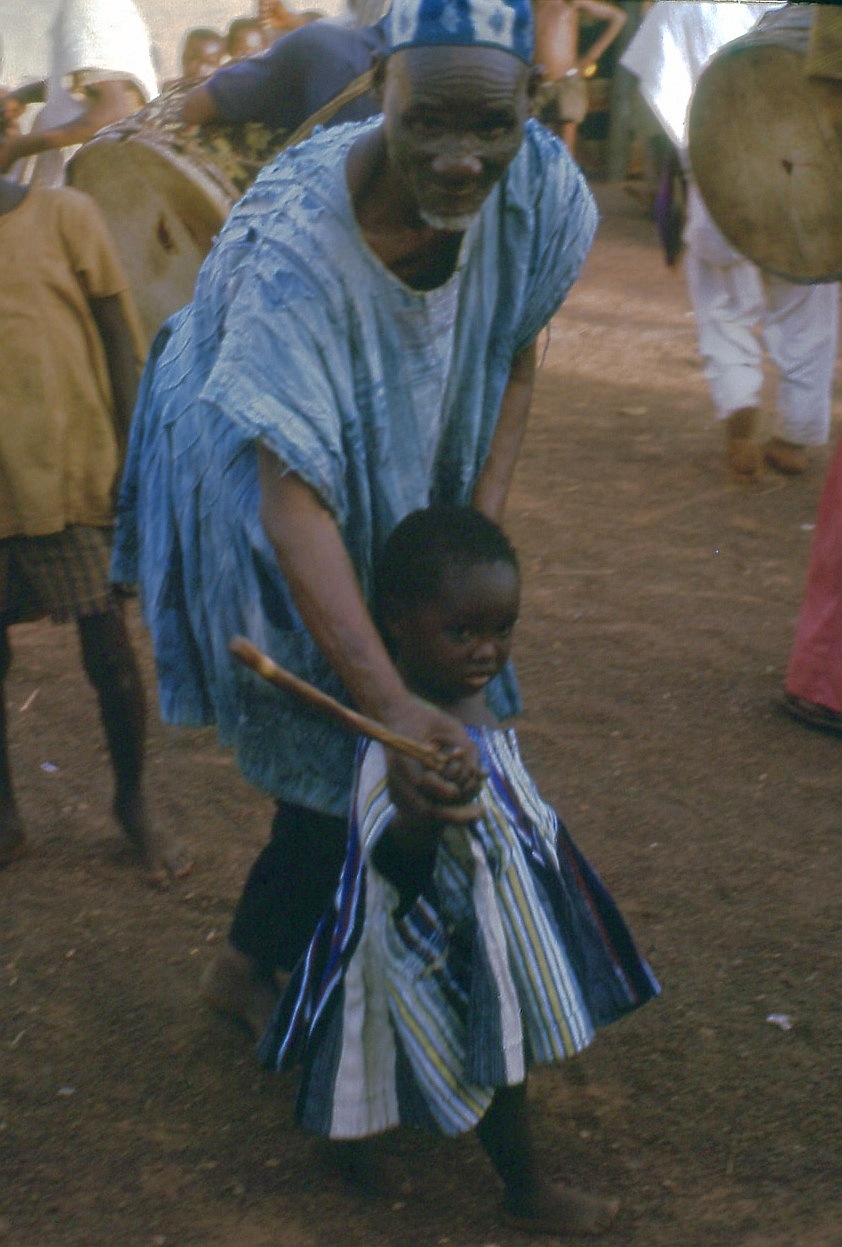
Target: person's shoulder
{"x": 63, "y": 201}
{"x": 542, "y": 156}
{"x": 321, "y": 37}
{"x": 69, "y": 201}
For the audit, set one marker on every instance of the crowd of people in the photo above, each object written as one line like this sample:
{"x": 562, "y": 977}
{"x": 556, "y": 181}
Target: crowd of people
{"x": 319, "y": 458}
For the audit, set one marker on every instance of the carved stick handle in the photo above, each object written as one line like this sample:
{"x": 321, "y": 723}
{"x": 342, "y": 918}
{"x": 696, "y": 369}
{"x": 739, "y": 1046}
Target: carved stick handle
{"x": 350, "y": 719}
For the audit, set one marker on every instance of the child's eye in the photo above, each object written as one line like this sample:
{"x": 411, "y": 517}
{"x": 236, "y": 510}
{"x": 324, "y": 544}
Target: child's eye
{"x": 462, "y": 634}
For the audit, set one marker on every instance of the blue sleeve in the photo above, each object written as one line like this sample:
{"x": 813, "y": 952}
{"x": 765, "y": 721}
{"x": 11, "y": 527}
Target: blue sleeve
{"x": 282, "y": 373}
{"x": 285, "y": 85}
{"x": 564, "y": 225}
{"x": 260, "y": 88}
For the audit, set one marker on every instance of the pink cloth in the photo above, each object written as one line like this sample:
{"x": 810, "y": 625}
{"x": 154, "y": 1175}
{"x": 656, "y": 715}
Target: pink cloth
{"x": 815, "y": 665}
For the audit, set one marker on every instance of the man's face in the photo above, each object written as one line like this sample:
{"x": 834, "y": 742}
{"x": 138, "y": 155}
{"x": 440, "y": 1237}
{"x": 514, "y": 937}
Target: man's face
{"x": 453, "y": 121}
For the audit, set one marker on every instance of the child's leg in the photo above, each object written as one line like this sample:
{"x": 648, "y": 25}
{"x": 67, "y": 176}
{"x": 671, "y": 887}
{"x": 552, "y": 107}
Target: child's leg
{"x": 12, "y": 838}
{"x": 112, "y": 669}
{"x": 532, "y": 1200}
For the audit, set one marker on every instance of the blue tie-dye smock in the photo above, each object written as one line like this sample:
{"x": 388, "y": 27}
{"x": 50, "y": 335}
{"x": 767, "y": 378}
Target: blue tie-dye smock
{"x": 381, "y": 397}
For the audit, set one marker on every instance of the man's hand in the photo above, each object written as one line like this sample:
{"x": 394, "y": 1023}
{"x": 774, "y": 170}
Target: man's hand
{"x": 424, "y": 796}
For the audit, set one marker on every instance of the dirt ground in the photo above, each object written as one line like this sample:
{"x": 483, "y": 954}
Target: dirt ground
{"x": 660, "y": 602}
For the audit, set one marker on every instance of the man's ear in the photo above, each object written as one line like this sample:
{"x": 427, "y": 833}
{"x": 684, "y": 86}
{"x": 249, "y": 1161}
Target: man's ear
{"x": 378, "y": 68}
{"x": 536, "y": 76}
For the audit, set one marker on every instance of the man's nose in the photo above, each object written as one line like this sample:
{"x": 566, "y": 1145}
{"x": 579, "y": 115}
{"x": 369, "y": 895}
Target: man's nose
{"x": 457, "y": 161}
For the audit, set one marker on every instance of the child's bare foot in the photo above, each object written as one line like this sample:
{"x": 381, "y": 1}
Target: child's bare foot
{"x": 12, "y": 837}
{"x": 233, "y": 985}
{"x": 164, "y": 859}
{"x": 558, "y": 1209}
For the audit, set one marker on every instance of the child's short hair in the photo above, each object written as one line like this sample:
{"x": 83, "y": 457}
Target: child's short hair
{"x": 427, "y": 542}
{"x": 200, "y": 34}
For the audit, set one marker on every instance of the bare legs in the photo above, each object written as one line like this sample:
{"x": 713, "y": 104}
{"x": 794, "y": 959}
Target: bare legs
{"x": 111, "y": 667}
{"x": 12, "y": 838}
{"x": 532, "y": 1201}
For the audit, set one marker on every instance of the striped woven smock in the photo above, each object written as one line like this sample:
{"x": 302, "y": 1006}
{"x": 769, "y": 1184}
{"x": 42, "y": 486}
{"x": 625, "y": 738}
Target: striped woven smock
{"x": 513, "y": 954}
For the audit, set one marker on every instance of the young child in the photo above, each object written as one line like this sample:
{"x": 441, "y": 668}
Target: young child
{"x": 245, "y": 37}
{"x": 455, "y": 958}
{"x": 66, "y": 398}
{"x": 202, "y": 53}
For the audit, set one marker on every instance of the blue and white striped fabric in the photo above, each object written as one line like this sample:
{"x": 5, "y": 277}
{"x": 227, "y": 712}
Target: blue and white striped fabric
{"x": 301, "y": 339}
{"x": 513, "y": 955}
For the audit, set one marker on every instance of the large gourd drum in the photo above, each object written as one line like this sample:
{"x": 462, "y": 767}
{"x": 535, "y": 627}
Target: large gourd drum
{"x": 165, "y": 189}
{"x": 765, "y": 146}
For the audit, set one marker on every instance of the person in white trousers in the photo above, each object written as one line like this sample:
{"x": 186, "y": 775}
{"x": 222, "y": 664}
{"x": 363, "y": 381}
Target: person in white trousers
{"x": 739, "y": 309}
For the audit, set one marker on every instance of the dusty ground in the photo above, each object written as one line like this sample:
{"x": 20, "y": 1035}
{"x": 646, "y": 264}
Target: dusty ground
{"x": 660, "y": 605}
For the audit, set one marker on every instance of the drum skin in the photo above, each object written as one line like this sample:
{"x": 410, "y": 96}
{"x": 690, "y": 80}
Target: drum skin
{"x": 165, "y": 190}
{"x": 765, "y": 145}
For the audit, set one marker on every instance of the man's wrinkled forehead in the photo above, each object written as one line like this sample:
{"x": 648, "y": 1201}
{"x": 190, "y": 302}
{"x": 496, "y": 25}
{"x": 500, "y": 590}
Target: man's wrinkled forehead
{"x": 502, "y": 24}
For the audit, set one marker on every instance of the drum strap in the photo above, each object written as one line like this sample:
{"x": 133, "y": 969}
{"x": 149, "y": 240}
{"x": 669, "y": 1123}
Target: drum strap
{"x": 354, "y": 89}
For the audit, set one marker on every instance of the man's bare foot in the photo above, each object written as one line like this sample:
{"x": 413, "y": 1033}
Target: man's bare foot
{"x": 743, "y": 454}
{"x": 13, "y": 842}
{"x": 163, "y": 857}
{"x": 233, "y": 985}
{"x": 558, "y": 1209}
{"x": 788, "y": 458}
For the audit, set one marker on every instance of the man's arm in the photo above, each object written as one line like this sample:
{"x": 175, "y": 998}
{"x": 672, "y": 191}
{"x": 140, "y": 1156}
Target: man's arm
{"x": 199, "y": 108}
{"x": 615, "y": 20}
{"x": 321, "y": 578}
{"x": 107, "y": 102}
{"x": 495, "y": 479}
{"x": 121, "y": 360}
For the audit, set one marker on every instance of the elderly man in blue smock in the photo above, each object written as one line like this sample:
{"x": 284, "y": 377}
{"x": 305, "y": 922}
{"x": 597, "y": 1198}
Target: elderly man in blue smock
{"x": 362, "y": 342}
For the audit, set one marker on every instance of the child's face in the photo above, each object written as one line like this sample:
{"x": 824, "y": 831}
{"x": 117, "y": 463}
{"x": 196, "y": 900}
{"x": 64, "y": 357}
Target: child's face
{"x": 451, "y": 646}
{"x": 201, "y": 57}
{"x": 247, "y": 42}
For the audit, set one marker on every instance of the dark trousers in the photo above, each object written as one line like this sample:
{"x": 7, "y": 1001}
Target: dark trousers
{"x": 289, "y": 887}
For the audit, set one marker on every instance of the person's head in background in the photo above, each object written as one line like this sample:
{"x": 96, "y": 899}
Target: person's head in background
{"x": 277, "y": 20}
{"x": 246, "y": 36}
{"x": 202, "y": 52}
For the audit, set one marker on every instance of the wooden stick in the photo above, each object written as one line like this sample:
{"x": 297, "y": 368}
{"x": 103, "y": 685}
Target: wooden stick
{"x": 247, "y": 653}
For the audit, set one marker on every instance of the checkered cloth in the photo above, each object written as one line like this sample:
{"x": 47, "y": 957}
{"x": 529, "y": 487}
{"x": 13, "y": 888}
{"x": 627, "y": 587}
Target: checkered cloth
{"x": 63, "y": 575}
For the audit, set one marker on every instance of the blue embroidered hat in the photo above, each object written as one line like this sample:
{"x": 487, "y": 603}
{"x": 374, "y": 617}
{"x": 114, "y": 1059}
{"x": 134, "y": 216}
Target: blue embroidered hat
{"x": 505, "y": 24}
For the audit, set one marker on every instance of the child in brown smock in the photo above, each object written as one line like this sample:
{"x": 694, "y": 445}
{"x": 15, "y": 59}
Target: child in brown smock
{"x": 66, "y": 399}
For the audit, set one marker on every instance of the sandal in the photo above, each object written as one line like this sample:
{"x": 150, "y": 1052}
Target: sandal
{"x": 813, "y": 714}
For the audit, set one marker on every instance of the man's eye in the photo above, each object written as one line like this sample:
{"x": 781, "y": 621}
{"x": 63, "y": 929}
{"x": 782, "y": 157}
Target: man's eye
{"x": 496, "y": 129}
{"x": 426, "y": 127}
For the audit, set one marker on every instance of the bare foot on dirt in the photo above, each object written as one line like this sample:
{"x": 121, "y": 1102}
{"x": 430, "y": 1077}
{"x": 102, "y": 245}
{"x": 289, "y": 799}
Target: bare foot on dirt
{"x": 13, "y": 842}
{"x": 743, "y": 455}
{"x": 558, "y": 1209}
{"x": 233, "y": 986}
{"x": 163, "y": 858}
{"x": 788, "y": 458}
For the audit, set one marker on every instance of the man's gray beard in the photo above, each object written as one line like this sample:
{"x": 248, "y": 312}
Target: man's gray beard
{"x": 457, "y": 224}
